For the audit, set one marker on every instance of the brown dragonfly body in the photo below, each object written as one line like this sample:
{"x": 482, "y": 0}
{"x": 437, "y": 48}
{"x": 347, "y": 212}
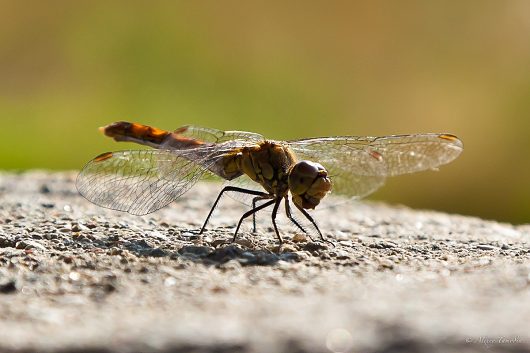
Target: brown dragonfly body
{"x": 141, "y": 182}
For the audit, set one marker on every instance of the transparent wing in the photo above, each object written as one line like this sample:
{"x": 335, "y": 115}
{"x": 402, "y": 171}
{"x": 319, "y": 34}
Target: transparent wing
{"x": 244, "y": 182}
{"x": 358, "y": 165}
{"x": 216, "y": 136}
{"x": 141, "y": 182}
{"x": 353, "y": 172}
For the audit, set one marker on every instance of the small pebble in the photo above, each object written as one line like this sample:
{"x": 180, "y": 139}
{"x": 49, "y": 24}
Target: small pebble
{"x": 299, "y": 238}
{"x": 157, "y": 253}
{"x": 286, "y": 248}
{"x": 8, "y": 287}
{"x": 314, "y": 246}
{"x": 486, "y": 247}
{"x": 200, "y": 251}
{"x": 244, "y": 242}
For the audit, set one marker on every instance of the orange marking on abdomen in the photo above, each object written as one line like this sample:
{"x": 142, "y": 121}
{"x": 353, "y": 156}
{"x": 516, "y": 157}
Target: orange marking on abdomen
{"x": 122, "y": 129}
{"x": 103, "y": 156}
{"x": 184, "y": 142}
{"x": 148, "y": 133}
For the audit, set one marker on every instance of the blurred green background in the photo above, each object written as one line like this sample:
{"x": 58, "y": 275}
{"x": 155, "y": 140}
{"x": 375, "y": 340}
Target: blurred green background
{"x": 285, "y": 69}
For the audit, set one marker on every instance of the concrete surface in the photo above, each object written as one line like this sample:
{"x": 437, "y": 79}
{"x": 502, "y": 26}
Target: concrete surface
{"x": 78, "y": 278}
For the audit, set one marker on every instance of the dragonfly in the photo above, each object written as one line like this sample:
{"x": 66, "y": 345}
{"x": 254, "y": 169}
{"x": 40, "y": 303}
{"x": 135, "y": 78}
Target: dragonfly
{"x": 302, "y": 172}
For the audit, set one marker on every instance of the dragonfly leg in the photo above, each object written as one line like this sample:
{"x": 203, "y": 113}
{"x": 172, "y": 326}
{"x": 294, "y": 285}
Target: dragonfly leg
{"x": 249, "y": 213}
{"x": 274, "y": 213}
{"x": 254, "y": 200}
{"x": 229, "y": 188}
{"x": 308, "y": 216}
{"x": 290, "y": 216}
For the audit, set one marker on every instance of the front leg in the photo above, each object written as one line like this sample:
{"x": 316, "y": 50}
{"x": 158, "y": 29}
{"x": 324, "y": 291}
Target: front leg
{"x": 290, "y": 216}
{"x": 308, "y": 216}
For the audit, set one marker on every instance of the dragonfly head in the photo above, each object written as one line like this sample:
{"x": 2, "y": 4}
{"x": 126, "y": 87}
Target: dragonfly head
{"x": 308, "y": 183}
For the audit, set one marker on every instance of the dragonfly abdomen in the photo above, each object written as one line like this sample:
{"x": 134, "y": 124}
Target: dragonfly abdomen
{"x": 150, "y": 136}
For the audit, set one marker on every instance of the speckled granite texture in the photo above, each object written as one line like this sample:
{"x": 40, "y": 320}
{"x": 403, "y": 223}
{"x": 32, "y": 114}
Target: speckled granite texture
{"x": 76, "y": 277}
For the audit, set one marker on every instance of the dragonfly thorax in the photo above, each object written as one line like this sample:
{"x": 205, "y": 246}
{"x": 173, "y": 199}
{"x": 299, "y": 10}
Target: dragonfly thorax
{"x": 308, "y": 183}
{"x": 267, "y": 163}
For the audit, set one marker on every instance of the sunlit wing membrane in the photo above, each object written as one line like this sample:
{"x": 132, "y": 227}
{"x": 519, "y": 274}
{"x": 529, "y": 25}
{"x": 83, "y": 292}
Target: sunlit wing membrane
{"x": 359, "y": 165}
{"x": 244, "y": 182}
{"x": 217, "y": 136}
{"x": 354, "y": 173}
{"x": 141, "y": 182}
{"x": 241, "y": 136}
{"x": 413, "y": 153}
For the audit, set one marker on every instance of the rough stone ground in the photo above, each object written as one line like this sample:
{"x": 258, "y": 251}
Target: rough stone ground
{"x": 76, "y": 277}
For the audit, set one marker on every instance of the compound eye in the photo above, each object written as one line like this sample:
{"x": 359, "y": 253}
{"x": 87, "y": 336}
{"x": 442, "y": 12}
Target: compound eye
{"x": 306, "y": 169}
{"x": 302, "y": 176}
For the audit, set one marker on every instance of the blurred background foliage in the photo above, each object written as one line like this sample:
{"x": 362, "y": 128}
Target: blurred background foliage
{"x": 285, "y": 69}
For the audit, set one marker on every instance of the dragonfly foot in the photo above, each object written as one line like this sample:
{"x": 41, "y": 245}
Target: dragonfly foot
{"x": 277, "y": 249}
{"x": 323, "y": 240}
{"x": 328, "y": 241}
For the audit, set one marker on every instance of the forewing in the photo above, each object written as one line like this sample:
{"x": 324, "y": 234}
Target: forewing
{"x": 353, "y": 172}
{"x": 140, "y": 182}
{"x": 358, "y": 165}
{"x": 414, "y": 153}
